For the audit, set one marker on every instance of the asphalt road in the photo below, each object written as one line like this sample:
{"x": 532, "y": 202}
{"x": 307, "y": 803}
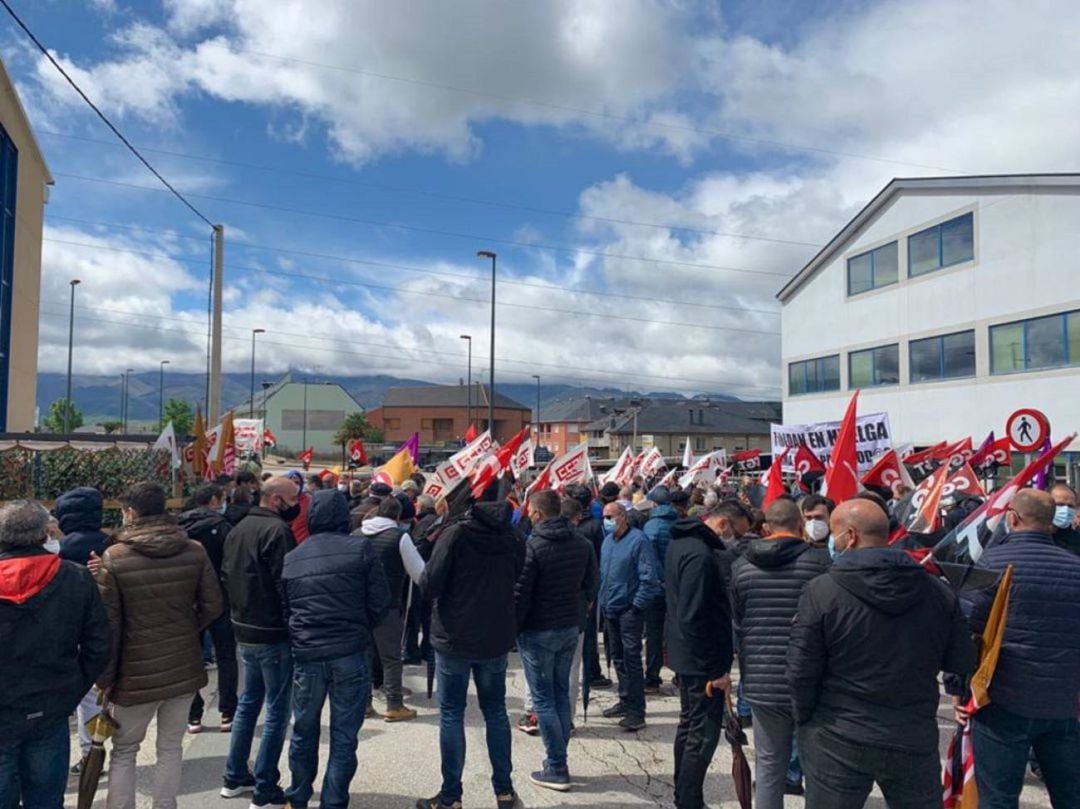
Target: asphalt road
{"x": 400, "y": 763}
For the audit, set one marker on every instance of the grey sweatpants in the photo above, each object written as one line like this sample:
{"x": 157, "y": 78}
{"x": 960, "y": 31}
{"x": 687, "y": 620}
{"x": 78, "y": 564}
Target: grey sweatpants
{"x": 387, "y": 637}
{"x": 773, "y": 731}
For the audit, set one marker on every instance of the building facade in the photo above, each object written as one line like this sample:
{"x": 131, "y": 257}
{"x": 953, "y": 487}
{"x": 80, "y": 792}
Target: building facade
{"x": 949, "y": 303}
{"x": 303, "y": 414}
{"x": 24, "y": 181}
{"x": 561, "y": 426}
{"x": 440, "y": 413}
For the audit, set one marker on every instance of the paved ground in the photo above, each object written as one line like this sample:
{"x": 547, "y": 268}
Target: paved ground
{"x": 400, "y": 762}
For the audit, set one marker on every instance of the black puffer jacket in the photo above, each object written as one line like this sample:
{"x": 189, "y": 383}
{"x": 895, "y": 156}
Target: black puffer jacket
{"x": 208, "y": 528}
{"x": 1069, "y": 539}
{"x": 471, "y": 578}
{"x": 333, "y": 587}
{"x": 766, "y": 583}
{"x": 79, "y": 514}
{"x": 250, "y": 572}
{"x": 559, "y": 578}
{"x": 868, "y": 642}
{"x": 698, "y": 624}
{"x": 592, "y": 528}
{"x": 1038, "y": 672}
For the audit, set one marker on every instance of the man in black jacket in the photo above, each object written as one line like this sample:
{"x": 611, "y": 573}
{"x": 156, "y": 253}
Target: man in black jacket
{"x": 592, "y": 528}
{"x": 766, "y": 583}
{"x": 1065, "y": 534}
{"x": 56, "y": 643}
{"x": 868, "y": 642}
{"x": 333, "y": 592}
{"x": 251, "y": 572}
{"x": 207, "y": 526}
{"x": 699, "y": 645}
{"x": 556, "y": 586}
{"x": 470, "y": 577}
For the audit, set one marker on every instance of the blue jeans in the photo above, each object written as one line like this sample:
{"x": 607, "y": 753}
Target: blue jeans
{"x": 490, "y": 678}
{"x": 547, "y": 656}
{"x": 36, "y": 768}
{"x": 1001, "y": 740}
{"x": 267, "y": 679}
{"x": 347, "y": 682}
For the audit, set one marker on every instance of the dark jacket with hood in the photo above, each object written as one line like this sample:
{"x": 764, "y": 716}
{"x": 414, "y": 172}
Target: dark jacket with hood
{"x": 79, "y": 514}
{"x": 160, "y": 592}
{"x": 250, "y": 571}
{"x": 471, "y": 576}
{"x": 698, "y": 623}
{"x": 386, "y": 537}
{"x": 1038, "y": 672}
{"x": 55, "y": 637}
{"x": 1067, "y": 538}
{"x": 868, "y": 642}
{"x": 766, "y": 583}
{"x": 333, "y": 588}
{"x": 658, "y": 530}
{"x": 209, "y": 528}
{"x": 559, "y": 578}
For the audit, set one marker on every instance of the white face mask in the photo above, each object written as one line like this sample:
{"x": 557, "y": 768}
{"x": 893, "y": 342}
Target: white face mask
{"x": 817, "y": 530}
{"x": 52, "y": 545}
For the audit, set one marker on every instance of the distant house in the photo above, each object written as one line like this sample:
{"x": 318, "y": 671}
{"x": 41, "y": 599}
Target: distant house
{"x": 440, "y": 413}
{"x": 302, "y": 414}
{"x": 562, "y": 425}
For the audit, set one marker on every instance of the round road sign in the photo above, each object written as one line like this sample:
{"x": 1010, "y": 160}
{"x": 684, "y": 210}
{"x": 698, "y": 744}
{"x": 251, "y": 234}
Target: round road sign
{"x": 1028, "y": 429}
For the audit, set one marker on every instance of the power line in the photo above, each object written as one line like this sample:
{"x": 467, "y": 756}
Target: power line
{"x": 101, "y": 115}
{"x": 472, "y": 237}
{"x": 442, "y": 196}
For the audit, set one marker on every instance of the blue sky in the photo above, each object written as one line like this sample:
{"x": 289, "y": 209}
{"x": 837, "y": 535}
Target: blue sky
{"x": 700, "y": 150}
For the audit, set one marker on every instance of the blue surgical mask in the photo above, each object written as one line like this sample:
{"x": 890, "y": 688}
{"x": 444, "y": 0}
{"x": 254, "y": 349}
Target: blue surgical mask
{"x": 832, "y": 547}
{"x": 1064, "y": 516}
{"x": 609, "y": 525}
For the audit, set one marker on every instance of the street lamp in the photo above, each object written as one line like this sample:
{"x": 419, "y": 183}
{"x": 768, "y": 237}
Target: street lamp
{"x": 265, "y": 386}
{"x": 127, "y": 392}
{"x": 537, "y": 378}
{"x": 71, "y": 344}
{"x": 161, "y": 396}
{"x": 491, "y": 372}
{"x": 468, "y": 385}
{"x": 251, "y": 409}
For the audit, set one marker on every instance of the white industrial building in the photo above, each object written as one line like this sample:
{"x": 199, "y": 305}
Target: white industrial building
{"x": 949, "y": 302}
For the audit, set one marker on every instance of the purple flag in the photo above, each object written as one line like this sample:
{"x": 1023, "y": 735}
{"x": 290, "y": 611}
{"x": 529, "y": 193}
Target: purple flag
{"x": 413, "y": 446}
{"x": 1040, "y": 477}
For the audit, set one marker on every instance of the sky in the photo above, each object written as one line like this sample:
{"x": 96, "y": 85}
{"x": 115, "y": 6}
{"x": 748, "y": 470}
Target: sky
{"x": 649, "y": 173}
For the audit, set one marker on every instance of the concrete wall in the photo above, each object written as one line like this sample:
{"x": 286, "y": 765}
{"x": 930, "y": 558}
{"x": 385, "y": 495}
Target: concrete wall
{"x": 1025, "y": 265}
{"x": 327, "y": 407}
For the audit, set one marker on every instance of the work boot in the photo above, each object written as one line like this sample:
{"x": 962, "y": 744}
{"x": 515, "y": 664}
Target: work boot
{"x": 400, "y": 714}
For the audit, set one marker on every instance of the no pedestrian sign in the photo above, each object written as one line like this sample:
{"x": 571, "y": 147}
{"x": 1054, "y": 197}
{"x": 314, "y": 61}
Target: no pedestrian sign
{"x": 1028, "y": 429}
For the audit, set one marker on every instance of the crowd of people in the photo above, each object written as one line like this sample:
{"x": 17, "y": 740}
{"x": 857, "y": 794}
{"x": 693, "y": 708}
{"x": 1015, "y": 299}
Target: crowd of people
{"x": 325, "y": 590}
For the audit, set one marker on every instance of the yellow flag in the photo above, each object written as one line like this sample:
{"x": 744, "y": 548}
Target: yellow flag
{"x": 399, "y": 467}
{"x": 990, "y": 648}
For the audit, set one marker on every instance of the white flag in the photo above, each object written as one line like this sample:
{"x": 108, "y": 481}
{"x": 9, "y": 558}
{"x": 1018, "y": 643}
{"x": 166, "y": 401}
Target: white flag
{"x": 651, "y": 463}
{"x": 620, "y": 470}
{"x": 523, "y": 458}
{"x": 464, "y": 461}
{"x": 167, "y": 441}
{"x": 705, "y": 468}
{"x": 687, "y": 455}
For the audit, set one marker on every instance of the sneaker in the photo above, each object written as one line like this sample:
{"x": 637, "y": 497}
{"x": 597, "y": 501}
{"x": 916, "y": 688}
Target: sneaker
{"x": 794, "y": 788}
{"x": 632, "y": 723}
{"x": 234, "y": 789}
{"x": 507, "y": 800}
{"x": 600, "y": 682}
{"x": 194, "y": 727}
{"x": 551, "y": 779}
{"x": 276, "y": 802}
{"x": 436, "y": 803}
{"x": 401, "y": 714}
{"x": 615, "y": 711}
{"x": 529, "y": 724}
{"x": 77, "y": 767}
{"x": 226, "y": 724}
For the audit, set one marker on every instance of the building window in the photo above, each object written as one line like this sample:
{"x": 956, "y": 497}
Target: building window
{"x": 1042, "y": 342}
{"x": 699, "y": 443}
{"x": 943, "y": 245}
{"x": 874, "y": 367}
{"x": 392, "y": 424}
{"x": 814, "y": 376}
{"x": 872, "y": 270}
{"x": 951, "y": 356}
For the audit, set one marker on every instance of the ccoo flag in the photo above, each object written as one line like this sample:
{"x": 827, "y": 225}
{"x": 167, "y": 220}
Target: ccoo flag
{"x": 842, "y": 474}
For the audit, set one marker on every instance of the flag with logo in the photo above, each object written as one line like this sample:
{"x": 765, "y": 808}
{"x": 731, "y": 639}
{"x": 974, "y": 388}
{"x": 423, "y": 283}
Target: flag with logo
{"x": 888, "y": 472}
{"x": 651, "y": 463}
{"x": 705, "y": 468}
{"x": 492, "y": 466}
{"x": 357, "y": 452}
{"x": 776, "y": 487}
{"x": 461, "y": 463}
{"x": 524, "y": 458}
{"x": 808, "y": 467}
{"x": 306, "y": 457}
{"x": 622, "y": 472}
{"x": 269, "y": 439}
{"x": 842, "y": 474}
{"x": 399, "y": 467}
{"x": 570, "y": 467}
{"x": 747, "y": 461}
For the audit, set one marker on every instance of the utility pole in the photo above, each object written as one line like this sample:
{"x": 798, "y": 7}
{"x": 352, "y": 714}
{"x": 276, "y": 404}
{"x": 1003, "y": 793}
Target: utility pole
{"x": 303, "y": 440}
{"x": 491, "y": 363}
{"x": 161, "y": 397}
{"x": 468, "y": 385}
{"x": 251, "y": 412}
{"x": 127, "y": 395}
{"x": 213, "y": 399}
{"x": 537, "y": 378}
{"x": 71, "y": 344}
{"x": 262, "y": 438}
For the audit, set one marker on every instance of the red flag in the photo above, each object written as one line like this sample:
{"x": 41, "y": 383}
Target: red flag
{"x": 357, "y": 452}
{"x": 494, "y": 465}
{"x": 842, "y": 475}
{"x": 269, "y": 438}
{"x": 776, "y": 486}
{"x": 927, "y": 518}
{"x": 306, "y": 457}
{"x": 470, "y": 434}
{"x": 747, "y": 460}
{"x": 887, "y": 472}
{"x": 805, "y": 463}
{"x": 916, "y": 458}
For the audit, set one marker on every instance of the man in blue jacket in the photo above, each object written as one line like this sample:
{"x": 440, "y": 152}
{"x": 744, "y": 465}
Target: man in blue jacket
{"x": 334, "y": 591}
{"x": 1033, "y": 694}
{"x": 629, "y": 583}
{"x": 658, "y": 529}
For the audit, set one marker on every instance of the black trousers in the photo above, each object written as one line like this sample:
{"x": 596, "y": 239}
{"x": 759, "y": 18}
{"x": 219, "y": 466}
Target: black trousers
{"x": 591, "y": 650}
{"x": 655, "y": 614}
{"x": 228, "y": 670}
{"x": 625, "y": 632}
{"x": 701, "y": 721}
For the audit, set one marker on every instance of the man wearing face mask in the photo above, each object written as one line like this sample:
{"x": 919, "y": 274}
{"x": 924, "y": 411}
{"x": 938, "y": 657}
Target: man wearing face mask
{"x": 206, "y": 524}
{"x": 868, "y": 641}
{"x": 1065, "y": 534}
{"x": 816, "y": 511}
{"x": 251, "y": 571}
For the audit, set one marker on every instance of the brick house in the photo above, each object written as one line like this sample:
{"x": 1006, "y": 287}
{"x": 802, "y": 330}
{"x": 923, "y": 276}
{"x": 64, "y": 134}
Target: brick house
{"x": 440, "y": 414}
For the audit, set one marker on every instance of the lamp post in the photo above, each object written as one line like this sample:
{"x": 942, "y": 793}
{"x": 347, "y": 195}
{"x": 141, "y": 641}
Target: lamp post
{"x": 71, "y": 345}
{"x": 251, "y": 409}
{"x": 537, "y": 378}
{"x": 491, "y": 363}
{"x": 468, "y": 384}
{"x": 303, "y": 440}
{"x": 161, "y": 396}
{"x": 265, "y": 386}
{"x": 127, "y": 395}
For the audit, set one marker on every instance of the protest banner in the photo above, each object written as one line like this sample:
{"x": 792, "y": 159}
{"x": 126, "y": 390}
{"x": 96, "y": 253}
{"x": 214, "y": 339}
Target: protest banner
{"x": 249, "y": 434}
{"x": 872, "y": 437}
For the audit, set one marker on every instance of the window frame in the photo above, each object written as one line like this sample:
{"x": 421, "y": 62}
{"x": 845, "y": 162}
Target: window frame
{"x": 817, "y": 361}
{"x": 872, "y": 351}
{"x": 1024, "y": 323}
{"x": 872, "y": 252}
{"x": 937, "y": 228}
{"x": 940, "y": 340}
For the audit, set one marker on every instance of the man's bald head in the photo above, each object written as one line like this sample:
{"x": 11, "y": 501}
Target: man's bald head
{"x": 783, "y": 517}
{"x": 1032, "y": 510}
{"x": 277, "y": 492}
{"x": 859, "y": 524}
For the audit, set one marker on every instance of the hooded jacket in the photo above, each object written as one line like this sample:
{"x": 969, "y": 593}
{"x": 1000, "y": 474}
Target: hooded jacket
{"x": 250, "y": 571}
{"x": 698, "y": 623}
{"x": 55, "y": 635}
{"x": 559, "y": 578}
{"x": 333, "y": 590}
{"x": 658, "y": 530}
{"x": 1038, "y": 672}
{"x": 79, "y": 514}
{"x": 629, "y": 573}
{"x": 208, "y": 528}
{"x": 470, "y": 578}
{"x": 387, "y": 539}
{"x": 766, "y": 583}
{"x": 160, "y": 591}
{"x": 869, "y": 639}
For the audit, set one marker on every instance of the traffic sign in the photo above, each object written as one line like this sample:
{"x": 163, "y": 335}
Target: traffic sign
{"x": 1028, "y": 429}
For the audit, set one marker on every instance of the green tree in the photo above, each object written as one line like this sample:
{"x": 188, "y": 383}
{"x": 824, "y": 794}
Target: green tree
{"x": 54, "y": 422}
{"x": 356, "y": 426}
{"x": 110, "y": 427}
{"x": 181, "y": 415}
